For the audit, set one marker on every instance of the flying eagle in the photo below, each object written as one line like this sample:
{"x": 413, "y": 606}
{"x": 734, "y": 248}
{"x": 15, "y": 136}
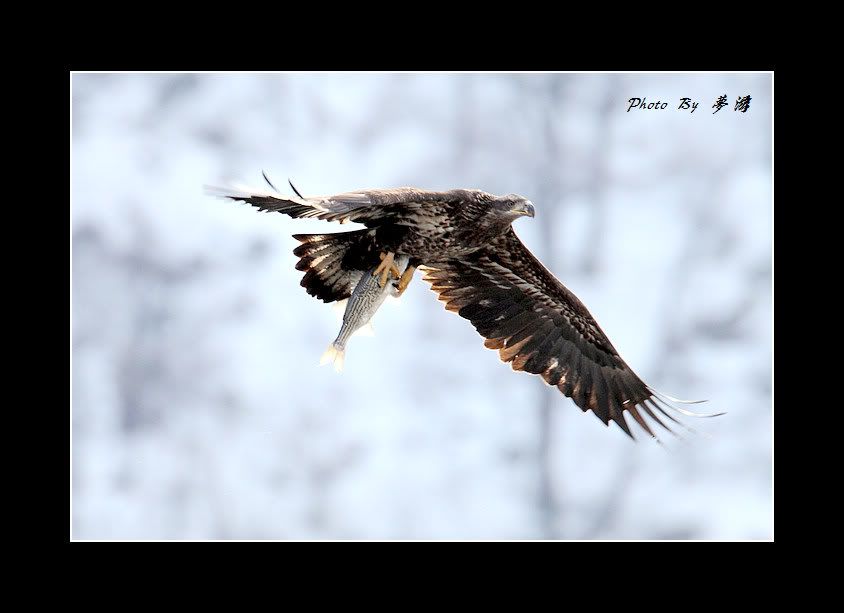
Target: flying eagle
{"x": 464, "y": 241}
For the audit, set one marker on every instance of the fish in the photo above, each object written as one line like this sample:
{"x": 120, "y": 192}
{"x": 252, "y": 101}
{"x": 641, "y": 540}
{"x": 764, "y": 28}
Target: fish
{"x": 366, "y": 299}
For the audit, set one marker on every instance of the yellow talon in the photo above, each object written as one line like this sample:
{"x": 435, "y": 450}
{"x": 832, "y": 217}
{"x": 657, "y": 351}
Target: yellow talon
{"x": 405, "y": 279}
{"x": 385, "y": 268}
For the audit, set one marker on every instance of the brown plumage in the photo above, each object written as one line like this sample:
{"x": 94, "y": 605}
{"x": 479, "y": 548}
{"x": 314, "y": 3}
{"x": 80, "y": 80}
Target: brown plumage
{"x": 482, "y": 271}
{"x": 540, "y": 327}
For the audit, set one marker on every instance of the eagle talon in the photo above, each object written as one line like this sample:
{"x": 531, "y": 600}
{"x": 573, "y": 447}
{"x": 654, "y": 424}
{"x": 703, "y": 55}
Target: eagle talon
{"x": 405, "y": 279}
{"x": 386, "y": 268}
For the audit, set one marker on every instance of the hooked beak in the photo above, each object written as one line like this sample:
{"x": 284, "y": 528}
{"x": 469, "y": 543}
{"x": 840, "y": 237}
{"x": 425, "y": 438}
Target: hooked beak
{"x": 524, "y": 208}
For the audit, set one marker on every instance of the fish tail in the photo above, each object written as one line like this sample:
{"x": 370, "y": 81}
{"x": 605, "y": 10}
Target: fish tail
{"x": 335, "y": 354}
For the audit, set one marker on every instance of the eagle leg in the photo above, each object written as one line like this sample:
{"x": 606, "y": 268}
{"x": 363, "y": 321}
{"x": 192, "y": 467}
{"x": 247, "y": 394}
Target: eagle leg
{"x": 386, "y": 267}
{"x": 406, "y": 277}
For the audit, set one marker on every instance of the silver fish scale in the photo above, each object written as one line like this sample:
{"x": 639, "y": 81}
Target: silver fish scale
{"x": 366, "y": 299}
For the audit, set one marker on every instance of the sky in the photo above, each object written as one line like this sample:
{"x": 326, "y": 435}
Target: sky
{"x": 199, "y": 410}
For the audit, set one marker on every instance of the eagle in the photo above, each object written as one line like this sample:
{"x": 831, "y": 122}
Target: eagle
{"x": 464, "y": 243}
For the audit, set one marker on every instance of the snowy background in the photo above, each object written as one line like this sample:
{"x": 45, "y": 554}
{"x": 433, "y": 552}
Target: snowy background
{"x": 198, "y": 407}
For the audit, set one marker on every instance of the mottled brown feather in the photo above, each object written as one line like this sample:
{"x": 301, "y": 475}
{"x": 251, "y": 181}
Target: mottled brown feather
{"x": 540, "y": 327}
{"x": 371, "y": 207}
{"x": 333, "y": 263}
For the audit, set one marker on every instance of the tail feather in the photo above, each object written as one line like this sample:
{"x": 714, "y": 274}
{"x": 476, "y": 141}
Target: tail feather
{"x": 333, "y": 263}
{"x": 334, "y": 355}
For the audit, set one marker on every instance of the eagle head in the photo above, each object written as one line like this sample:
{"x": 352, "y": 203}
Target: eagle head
{"x": 514, "y": 206}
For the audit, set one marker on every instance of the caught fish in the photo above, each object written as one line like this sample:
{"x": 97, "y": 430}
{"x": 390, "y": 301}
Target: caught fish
{"x": 365, "y": 300}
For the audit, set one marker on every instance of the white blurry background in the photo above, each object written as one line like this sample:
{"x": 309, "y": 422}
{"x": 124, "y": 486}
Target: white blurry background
{"x": 199, "y": 411}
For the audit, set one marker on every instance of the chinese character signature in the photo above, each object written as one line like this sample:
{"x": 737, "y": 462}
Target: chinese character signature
{"x": 687, "y": 104}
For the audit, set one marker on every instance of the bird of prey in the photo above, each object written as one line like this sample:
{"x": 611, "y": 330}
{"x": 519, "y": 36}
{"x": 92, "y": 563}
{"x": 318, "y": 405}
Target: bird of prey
{"x": 464, "y": 241}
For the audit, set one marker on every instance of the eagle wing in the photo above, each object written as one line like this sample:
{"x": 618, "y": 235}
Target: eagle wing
{"x": 370, "y": 207}
{"x": 540, "y": 327}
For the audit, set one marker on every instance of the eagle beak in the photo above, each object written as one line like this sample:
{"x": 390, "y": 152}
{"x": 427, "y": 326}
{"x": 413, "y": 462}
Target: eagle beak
{"x": 524, "y": 208}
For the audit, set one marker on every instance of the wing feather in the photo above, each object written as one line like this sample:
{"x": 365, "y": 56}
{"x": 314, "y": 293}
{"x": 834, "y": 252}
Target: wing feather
{"x": 540, "y": 327}
{"x": 371, "y": 207}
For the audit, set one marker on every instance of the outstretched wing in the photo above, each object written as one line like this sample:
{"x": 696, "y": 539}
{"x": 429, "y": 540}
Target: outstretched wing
{"x": 540, "y": 327}
{"x": 370, "y": 207}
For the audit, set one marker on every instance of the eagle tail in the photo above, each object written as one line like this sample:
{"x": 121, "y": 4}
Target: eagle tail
{"x": 334, "y": 355}
{"x": 333, "y": 263}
